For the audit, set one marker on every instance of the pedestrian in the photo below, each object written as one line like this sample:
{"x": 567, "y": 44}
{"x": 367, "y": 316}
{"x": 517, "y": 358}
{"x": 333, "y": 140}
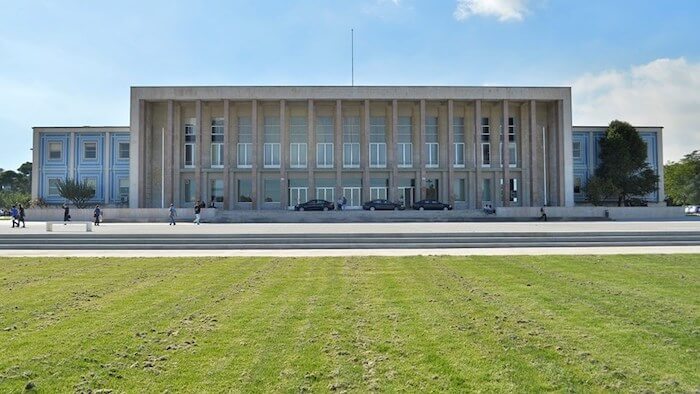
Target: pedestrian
{"x": 339, "y": 204}
{"x": 97, "y": 213}
{"x": 543, "y": 214}
{"x": 171, "y": 214}
{"x": 20, "y": 216}
{"x": 66, "y": 214}
{"x": 344, "y": 202}
{"x": 197, "y": 212}
{"x": 13, "y": 214}
{"x": 212, "y": 204}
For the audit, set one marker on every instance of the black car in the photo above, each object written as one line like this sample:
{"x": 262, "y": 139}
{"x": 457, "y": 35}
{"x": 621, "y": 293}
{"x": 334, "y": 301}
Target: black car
{"x": 315, "y": 205}
{"x": 636, "y": 202}
{"x": 431, "y": 204}
{"x": 381, "y": 205}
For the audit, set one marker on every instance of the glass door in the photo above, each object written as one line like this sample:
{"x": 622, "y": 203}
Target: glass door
{"x": 297, "y": 195}
{"x": 353, "y": 195}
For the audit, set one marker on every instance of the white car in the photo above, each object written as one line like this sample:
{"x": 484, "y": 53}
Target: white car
{"x": 692, "y": 209}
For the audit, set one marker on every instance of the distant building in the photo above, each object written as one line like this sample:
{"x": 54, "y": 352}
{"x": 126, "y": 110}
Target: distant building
{"x": 272, "y": 147}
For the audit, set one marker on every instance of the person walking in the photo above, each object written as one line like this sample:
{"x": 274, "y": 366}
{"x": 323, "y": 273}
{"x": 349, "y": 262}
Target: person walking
{"x": 20, "y": 216}
{"x": 543, "y": 214}
{"x": 171, "y": 215}
{"x": 66, "y": 214}
{"x": 97, "y": 213}
{"x": 343, "y": 203}
{"x": 197, "y": 212}
{"x": 13, "y": 214}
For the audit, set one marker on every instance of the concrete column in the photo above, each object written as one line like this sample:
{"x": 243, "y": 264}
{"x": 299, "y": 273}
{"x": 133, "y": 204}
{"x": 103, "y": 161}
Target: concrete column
{"x": 256, "y": 155}
{"x": 659, "y": 165}
{"x": 338, "y": 148}
{"x": 505, "y": 152}
{"x": 311, "y": 158}
{"x": 451, "y": 150}
{"x": 535, "y": 157}
{"x": 421, "y": 151}
{"x": 177, "y": 152}
{"x": 136, "y": 129}
{"x": 477, "y": 156}
{"x": 147, "y": 189}
{"x": 227, "y": 149}
{"x": 169, "y": 134}
{"x": 524, "y": 135}
{"x": 567, "y": 152}
{"x": 198, "y": 158}
{"x": 73, "y": 151}
{"x": 364, "y": 150}
{"x": 391, "y": 152}
{"x": 284, "y": 154}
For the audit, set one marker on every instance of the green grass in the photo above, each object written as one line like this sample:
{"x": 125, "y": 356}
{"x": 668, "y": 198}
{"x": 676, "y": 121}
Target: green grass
{"x": 529, "y": 324}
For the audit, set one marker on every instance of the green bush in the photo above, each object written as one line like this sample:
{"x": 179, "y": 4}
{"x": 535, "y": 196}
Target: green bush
{"x": 10, "y": 198}
{"x": 77, "y": 192}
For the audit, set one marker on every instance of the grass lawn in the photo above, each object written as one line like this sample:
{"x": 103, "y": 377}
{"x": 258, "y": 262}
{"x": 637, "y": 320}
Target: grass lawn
{"x": 579, "y": 323}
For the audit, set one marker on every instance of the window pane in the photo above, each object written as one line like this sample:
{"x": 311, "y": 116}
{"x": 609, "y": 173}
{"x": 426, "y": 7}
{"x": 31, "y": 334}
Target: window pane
{"x": 90, "y": 150}
{"x": 55, "y": 151}
{"x": 123, "y": 150}
{"x": 53, "y": 186}
{"x": 272, "y": 190}
{"x": 245, "y": 190}
{"x": 245, "y": 130}
{"x": 485, "y": 154}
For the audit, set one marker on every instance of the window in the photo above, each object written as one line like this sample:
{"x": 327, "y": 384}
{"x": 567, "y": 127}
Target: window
{"x": 404, "y": 154}
{"x": 324, "y": 155}
{"x": 272, "y": 190}
{"x": 351, "y": 142}
{"x": 91, "y": 182}
{"x": 577, "y": 150}
{"x": 325, "y": 193}
{"x": 298, "y": 138}
{"x": 190, "y": 135}
{"x": 377, "y": 154}
{"x": 486, "y": 190}
{"x": 577, "y": 185}
{"x": 431, "y": 154}
{"x": 511, "y": 129}
{"x": 351, "y": 155}
{"x": 189, "y": 190}
{"x": 459, "y": 155}
{"x": 431, "y": 142}
{"x": 271, "y": 155}
{"x": 217, "y": 190}
{"x": 217, "y": 130}
{"x": 55, "y": 150}
{"x": 244, "y": 147}
{"x": 485, "y": 130}
{"x": 324, "y": 139}
{"x": 458, "y": 189}
{"x": 245, "y": 155}
{"x": 377, "y": 193}
{"x": 245, "y": 190}
{"x": 485, "y": 154}
{"x": 89, "y": 150}
{"x": 53, "y": 187}
{"x": 189, "y": 155}
{"x": 124, "y": 189}
{"x": 512, "y": 154}
{"x": 123, "y": 151}
{"x": 217, "y": 155}
{"x": 297, "y": 154}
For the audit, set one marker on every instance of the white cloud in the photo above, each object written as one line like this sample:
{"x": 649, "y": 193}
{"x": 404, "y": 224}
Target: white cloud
{"x": 504, "y": 10}
{"x": 664, "y": 92}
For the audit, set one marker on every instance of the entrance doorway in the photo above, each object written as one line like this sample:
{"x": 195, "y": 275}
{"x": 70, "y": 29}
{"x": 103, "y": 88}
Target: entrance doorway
{"x": 298, "y": 195}
{"x": 408, "y": 194}
{"x": 353, "y": 195}
{"x": 325, "y": 193}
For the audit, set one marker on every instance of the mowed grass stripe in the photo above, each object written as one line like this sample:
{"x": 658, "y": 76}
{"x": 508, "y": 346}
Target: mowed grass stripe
{"x": 593, "y": 323}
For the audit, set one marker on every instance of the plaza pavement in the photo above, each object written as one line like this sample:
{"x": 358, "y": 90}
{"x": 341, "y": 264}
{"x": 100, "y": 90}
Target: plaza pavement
{"x": 364, "y": 228}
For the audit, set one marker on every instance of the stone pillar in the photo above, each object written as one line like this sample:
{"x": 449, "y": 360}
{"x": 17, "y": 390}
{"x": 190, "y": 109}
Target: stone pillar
{"x": 505, "y": 152}
{"x": 107, "y": 162}
{"x": 311, "y": 158}
{"x": 523, "y": 134}
{"x": 198, "y": 156}
{"x": 147, "y": 189}
{"x": 477, "y": 156}
{"x": 177, "y": 155}
{"x": 421, "y": 151}
{"x": 36, "y": 165}
{"x": 135, "y": 146}
{"x": 451, "y": 151}
{"x": 338, "y": 149}
{"x": 255, "y": 152}
{"x": 536, "y": 158}
{"x": 659, "y": 165}
{"x": 168, "y": 151}
{"x": 72, "y": 151}
{"x": 284, "y": 154}
{"x": 393, "y": 193}
{"x": 227, "y": 163}
{"x": 364, "y": 151}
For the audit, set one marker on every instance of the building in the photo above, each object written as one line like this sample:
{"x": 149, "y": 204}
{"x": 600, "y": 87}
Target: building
{"x": 272, "y": 147}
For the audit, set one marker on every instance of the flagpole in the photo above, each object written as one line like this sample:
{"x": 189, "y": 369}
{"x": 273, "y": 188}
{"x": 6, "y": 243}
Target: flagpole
{"x": 352, "y": 56}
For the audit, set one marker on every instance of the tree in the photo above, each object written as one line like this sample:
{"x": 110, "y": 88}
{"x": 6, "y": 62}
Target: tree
{"x": 682, "y": 183}
{"x": 77, "y": 192}
{"x": 598, "y": 190}
{"x": 16, "y": 180}
{"x": 623, "y": 156}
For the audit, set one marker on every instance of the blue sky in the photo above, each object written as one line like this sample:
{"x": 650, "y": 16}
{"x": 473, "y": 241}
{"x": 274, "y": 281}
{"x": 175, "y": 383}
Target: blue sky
{"x": 72, "y": 62}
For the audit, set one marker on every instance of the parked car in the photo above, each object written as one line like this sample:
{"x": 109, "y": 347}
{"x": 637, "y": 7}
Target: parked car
{"x": 692, "y": 209}
{"x": 635, "y": 202}
{"x": 380, "y": 204}
{"x": 431, "y": 204}
{"x": 315, "y": 205}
